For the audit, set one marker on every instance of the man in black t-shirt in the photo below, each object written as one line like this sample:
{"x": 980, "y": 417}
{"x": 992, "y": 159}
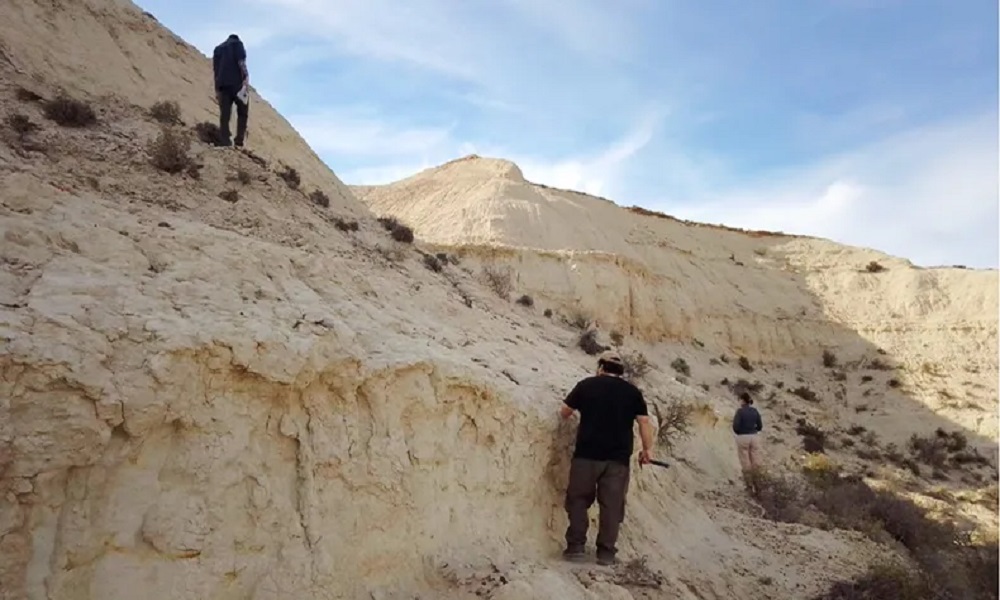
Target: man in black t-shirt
{"x": 608, "y": 406}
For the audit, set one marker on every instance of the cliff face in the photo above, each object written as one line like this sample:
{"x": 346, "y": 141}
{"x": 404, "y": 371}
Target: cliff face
{"x": 249, "y": 397}
{"x": 770, "y": 297}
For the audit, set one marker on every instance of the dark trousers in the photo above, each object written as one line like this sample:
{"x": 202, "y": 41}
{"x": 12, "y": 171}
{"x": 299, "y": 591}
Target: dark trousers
{"x": 605, "y": 481}
{"x": 227, "y": 97}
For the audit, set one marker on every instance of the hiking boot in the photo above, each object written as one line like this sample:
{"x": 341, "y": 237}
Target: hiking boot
{"x": 606, "y": 559}
{"x": 574, "y": 553}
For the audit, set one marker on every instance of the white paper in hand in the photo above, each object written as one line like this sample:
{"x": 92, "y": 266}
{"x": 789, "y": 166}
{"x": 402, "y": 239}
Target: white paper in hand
{"x": 243, "y": 95}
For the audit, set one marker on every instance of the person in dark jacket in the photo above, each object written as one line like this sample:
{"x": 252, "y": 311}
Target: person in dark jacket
{"x": 747, "y": 424}
{"x": 229, "y": 62}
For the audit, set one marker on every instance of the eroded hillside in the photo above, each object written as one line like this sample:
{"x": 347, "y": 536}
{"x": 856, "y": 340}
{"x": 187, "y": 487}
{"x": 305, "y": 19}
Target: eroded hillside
{"x": 232, "y": 381}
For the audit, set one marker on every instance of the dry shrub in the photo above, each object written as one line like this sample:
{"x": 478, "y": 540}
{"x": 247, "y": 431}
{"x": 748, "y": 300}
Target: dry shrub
{"x": 813, "y": 438}
{"x": 548, "y": 313}
{"x": 881, "y": 581}
{"x": 526, "y": 300}
{"x": 432, "y": 263}
{"x": 745, "y": 364}
{"x": 69, "y": 112}
{"x": 243, "y": 176}
{"x": 617, "y": 338}
{"x": 21, "y": 125}
{"x": 680, "y": 365}
{"x": 636, "y": 365}
{"x": 806, "y": 394}
{"x": 169, "y": 151}
{"x": 866, "y": 378}
{"x": 343, "y": 225}
{"x": 829, "y": 359}
{"x": 675, "y": 421}
{"x": 636, "y": 573}
{"x": 578, "y": 320}
{"x": 895, "y": 383}
{"x": 290, "y": 177}
{"x": 877, "y": 364}
{"x": 26, "y": 95}
{"x": 874, "y": 267}
{"x": 167, "y": 112}
{"x": 319, "y": 198}
{"x": 742, "y": 385}
{"x": 230, "y": 196}
{"x": 499, "y": 280}
{"x": 780, "y": 496}
{"x": 397, "y": 231}
{"x": 208, "y": 132}
{"x": 589, "y": 344}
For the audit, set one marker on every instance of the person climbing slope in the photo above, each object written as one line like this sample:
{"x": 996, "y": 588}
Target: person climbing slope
{"x": 608, "y": 406}
{"x": 746, "y": 425}
{"x": 232, "y": 81}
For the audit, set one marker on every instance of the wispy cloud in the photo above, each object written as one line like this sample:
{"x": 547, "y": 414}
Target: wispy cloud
{"x": 929, "y": 194}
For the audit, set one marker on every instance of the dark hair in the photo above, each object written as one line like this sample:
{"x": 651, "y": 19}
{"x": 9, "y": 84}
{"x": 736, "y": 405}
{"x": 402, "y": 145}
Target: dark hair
{"x": 744, "y": 396}
{"x": 233, "y": 36}
{"x": 611, "y": 367}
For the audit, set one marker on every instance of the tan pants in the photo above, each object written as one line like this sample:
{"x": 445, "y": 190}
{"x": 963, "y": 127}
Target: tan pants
{"x": 748, "y": 449}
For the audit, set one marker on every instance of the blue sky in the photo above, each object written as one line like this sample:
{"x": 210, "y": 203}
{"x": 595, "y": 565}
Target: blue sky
{"x": 870, "y": 122}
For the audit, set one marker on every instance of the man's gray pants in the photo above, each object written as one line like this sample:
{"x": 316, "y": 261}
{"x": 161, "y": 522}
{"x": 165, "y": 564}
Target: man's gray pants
{"x": 607, "y": 482}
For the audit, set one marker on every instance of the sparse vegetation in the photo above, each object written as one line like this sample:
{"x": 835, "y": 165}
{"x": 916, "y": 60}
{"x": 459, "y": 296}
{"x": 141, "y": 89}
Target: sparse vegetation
{"x": 290, "y": 177}
{"x": 675, "y": 422}
{"x": 345, "y": 226}
{"x": 742, "y": 385}
{"x": 21, "y": 125}
{"x": 230, "y": 195}
{"x": 874, "y": 267}
{"x": 243, "y": 176}
{"x": 589, "y": 344}
{"x": 26, "y": 95}
{"x": 208, "y": 132}
{"x": 432, "y": 263}
{"x": 617, "y": 338}
{"x": 319, "y": 198}
{"x": 526, "y": 300}
{"x": 806, "y": 394}
{"x": 69, "y": 112}
{"x": 636, "y": 365}
{"x": 499, "y": 280}
{"x": 681, "y": 366}
{"x": 168, "y": 152}
{"x": 578, "y": 320}
{"x": 548, "y": 313}
{"x": 397, "y": 230}
{"x": 829, "y": 359}
{"x": 813, "y": 438}
{"x": 951, "y": 564}
{"x": 877, "y": 364}
{"x": 866, "y": 378}
{"x": 745, "y": 364}
{"x": 895, "y": 383}
{"x": 636, "y": 573}
{"x": 167, "y": 112}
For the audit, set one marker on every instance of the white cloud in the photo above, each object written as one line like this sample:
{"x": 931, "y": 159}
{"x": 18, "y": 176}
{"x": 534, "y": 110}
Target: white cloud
{"x": 929, "y": 195}
{"x": 344, "y": 134}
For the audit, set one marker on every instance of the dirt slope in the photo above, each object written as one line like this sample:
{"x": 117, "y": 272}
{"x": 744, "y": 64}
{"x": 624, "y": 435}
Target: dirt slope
{"x": 244, "y": 397}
